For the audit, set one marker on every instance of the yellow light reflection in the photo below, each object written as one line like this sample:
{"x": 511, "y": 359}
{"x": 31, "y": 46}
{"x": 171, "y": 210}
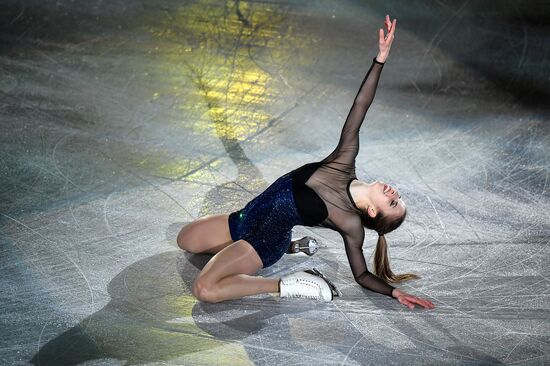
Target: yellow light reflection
{"x": 218, "y": 47}
{"x": 211, "y": 58}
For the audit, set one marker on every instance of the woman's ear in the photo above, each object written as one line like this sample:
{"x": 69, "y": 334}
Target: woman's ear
{"x": 371, "y": 211}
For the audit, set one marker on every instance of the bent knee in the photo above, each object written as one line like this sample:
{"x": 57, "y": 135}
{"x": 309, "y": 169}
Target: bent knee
{"x": 186, "y": 241}
{"x": 204, "y": 291}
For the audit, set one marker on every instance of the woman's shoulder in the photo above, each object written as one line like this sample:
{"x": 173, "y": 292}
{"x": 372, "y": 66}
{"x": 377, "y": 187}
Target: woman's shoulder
{"x": 349, "y": 223}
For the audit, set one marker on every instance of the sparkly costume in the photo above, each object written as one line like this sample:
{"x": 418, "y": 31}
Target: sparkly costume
{"x": 266, "y": 222}
{"x": 315, "y": 194}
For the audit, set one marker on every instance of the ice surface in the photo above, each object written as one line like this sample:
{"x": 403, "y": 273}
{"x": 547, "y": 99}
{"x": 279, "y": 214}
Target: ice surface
{"x": 122, "y": 121}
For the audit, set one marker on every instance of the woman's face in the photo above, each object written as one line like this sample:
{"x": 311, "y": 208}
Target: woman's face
{"x": 386, "y": 199}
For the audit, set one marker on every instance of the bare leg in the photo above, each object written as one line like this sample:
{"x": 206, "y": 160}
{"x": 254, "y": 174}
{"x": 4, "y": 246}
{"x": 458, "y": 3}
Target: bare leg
{"x": 228, "y": 275}
{"x": 237, "y": 286}
{"x": 208, "y": 234}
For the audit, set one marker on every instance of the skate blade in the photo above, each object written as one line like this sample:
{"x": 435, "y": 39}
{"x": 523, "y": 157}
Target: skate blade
{"x": 308, "y": 245}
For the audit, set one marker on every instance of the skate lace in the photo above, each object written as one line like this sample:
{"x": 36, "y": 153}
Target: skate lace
{"x": 298, "y": 290}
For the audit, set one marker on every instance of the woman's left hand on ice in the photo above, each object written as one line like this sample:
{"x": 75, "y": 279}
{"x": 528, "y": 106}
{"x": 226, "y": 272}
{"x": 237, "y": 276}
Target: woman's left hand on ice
{"x": 410, "y": 300}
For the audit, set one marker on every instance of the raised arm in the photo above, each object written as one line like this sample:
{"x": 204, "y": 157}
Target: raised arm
{"x": 354, "y": 250}
{"x": 348, "y": 146}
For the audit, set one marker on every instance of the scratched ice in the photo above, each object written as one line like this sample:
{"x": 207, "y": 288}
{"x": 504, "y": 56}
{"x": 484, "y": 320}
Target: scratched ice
{"x": 122, "y": 121}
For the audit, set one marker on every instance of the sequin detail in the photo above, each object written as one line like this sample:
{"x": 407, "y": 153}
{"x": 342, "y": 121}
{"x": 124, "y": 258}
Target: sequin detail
{"x": 266, "y": 222}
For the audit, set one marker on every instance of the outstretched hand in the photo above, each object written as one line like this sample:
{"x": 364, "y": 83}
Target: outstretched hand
{"x": 410, "y": 300}
{"x": 385, "y": 41}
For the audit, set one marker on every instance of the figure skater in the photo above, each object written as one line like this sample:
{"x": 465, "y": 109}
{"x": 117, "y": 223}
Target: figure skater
{"x": 326, "y": 194}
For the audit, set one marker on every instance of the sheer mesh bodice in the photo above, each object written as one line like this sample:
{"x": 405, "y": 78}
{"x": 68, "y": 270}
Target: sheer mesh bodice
{"x": 324, "y": 187}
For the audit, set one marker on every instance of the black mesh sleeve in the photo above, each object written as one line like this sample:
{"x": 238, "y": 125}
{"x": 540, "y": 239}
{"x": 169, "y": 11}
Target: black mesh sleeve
{"x": 348, "y": 145}
{"x": 354, "y": 251}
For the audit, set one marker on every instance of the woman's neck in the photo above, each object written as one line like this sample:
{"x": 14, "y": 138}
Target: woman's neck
{"x": 359, "y": 192}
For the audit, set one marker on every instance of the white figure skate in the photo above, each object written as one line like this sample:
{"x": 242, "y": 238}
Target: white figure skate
{"x": 310, "y": 284}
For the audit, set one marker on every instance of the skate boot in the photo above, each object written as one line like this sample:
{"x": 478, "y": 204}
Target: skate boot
{"x": 316, "y": 272}
{"x": 307, "y": 245}
{"x": 309, "y": 284}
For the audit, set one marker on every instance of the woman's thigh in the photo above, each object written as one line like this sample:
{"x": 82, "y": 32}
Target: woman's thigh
{"x": 208, "y": 234}
{"x": 237, "y": 258}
